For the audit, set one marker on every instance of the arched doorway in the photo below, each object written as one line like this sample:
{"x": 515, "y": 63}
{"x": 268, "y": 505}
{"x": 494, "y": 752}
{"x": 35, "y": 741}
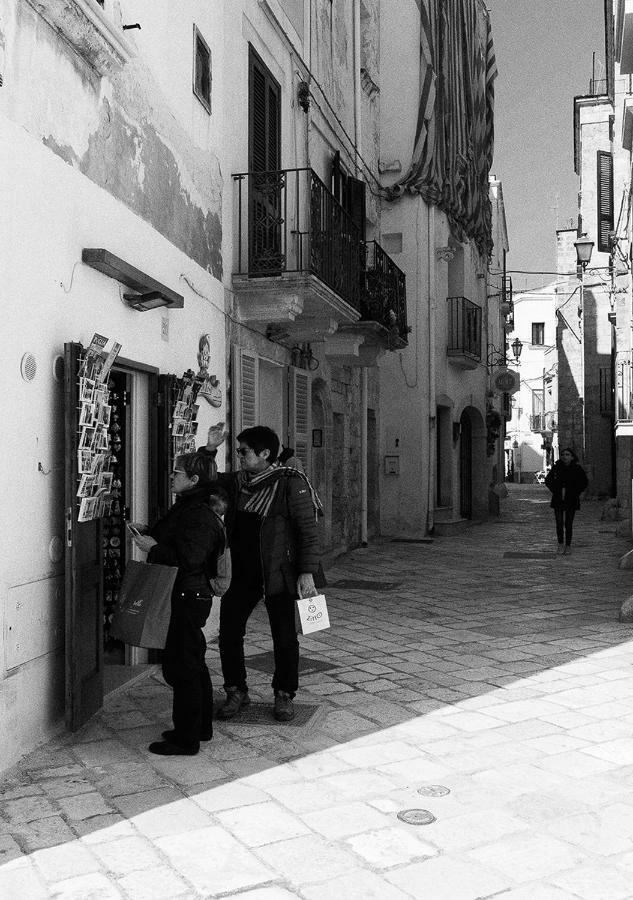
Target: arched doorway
{"x": 473, "y": 465}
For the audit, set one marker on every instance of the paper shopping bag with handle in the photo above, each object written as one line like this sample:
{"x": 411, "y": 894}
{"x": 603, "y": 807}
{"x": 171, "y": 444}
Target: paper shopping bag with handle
{"x": 144, "y": 609}
{"x": 313, "y": 614}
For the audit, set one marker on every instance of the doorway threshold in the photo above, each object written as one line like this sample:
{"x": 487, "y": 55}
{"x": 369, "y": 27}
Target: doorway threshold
{"x": 117, "y": 677}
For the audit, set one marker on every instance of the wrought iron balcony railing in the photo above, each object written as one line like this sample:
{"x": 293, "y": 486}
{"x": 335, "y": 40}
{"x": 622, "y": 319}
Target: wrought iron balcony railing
{"x": 537, "y": 422}
{"x": 384, "y": 291}
{"x": 288, "y": 221}
{"x": 464, "y": 328}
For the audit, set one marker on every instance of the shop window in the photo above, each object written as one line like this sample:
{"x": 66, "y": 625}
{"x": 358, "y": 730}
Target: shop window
{"x": 538, "y": 333}
{"x": 201, "y": 70}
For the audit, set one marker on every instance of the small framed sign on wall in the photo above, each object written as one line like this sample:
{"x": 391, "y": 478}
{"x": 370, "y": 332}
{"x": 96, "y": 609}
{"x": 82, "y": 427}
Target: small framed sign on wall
{"x": 392, "y": 465}
{"x": 317, "y": 437}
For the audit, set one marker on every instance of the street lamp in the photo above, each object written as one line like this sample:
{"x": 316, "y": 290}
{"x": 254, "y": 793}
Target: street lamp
{"x": 516, "y": 346}
{"x": 584, "y": 247}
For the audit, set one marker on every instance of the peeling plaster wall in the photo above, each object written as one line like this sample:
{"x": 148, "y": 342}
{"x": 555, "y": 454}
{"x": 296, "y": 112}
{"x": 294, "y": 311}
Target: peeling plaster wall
{"x": 87, "y": 162}
{"x": 122, "y": 133}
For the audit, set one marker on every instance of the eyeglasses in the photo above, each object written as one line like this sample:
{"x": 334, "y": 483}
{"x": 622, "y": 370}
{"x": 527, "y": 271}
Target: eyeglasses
{"x": 178, "y": 472}
{"x": 244, "y": 451}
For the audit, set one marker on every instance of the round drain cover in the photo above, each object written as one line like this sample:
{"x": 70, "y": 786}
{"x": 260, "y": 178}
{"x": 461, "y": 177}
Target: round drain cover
{"x": 433, "y": 790}
{"x": 416, "y": 816}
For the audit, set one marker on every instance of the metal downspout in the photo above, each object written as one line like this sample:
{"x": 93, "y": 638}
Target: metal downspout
{"x": 363, "y": 371}
{"x": 430, "y": 515}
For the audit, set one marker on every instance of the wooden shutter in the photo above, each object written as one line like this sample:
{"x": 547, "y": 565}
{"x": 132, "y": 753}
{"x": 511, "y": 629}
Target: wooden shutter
{"x": 300, "y": 414}
{"x": 245, "y": 393}
{"x": 355, "y": 204}
{"x": 264, "y": 117}
{"x": 605, "y": 200}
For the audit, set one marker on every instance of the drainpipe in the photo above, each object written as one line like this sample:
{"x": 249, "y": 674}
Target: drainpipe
{"x": 430, "y": 515}
{"x": 357, "y": 85}
{"x": 363, "y": 456}
{"x": 363, "y": 371}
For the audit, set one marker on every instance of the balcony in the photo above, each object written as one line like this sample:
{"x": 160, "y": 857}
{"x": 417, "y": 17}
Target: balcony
{"x": 299, "y": 256}
{"x": 464, "y": 333}
{"x": 383, "y": 302}
{"x": 303, "y": 269}
{"x": 537, "y": 423}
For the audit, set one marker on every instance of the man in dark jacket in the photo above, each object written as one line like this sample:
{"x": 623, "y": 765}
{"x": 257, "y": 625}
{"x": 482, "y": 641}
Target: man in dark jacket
{"x": 271, "y": 529}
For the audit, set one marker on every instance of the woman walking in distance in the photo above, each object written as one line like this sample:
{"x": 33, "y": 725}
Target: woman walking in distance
{"x": 566, "y": 480}
{"x": 190, "y": 536}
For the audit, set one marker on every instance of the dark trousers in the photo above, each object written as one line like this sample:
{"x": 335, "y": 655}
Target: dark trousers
{"x": 564, "y": 520}
{"x": 185, "y": 669}
{"x": 237, "y": 605}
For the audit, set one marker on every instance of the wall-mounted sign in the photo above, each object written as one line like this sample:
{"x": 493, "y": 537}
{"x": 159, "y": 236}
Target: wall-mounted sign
{"x": 507, "y": 381}
{"x": 392, "y": 465}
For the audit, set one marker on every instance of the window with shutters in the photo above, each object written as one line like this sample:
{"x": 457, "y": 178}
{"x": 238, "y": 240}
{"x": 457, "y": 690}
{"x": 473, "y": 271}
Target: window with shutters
{"x": 538, "y": 333}
{"x": 266, "y": 182}
{"x": 201, "y": 69}
{"x": 350, "y": 193}
{"x": 605, "y": 200}
{"x": 300, "y": 414}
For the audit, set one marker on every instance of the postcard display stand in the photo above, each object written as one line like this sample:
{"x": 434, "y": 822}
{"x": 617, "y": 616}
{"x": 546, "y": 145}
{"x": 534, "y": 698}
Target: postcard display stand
{"x": 94, "y": 456}
{"x": 184, "y": 426}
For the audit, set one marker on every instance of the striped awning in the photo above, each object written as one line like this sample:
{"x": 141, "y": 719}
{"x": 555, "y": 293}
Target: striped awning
{"x": 454, "y": 136}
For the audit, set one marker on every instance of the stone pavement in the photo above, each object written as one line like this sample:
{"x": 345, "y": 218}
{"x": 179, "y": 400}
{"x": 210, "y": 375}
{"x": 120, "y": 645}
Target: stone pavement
{"x": 481, "y": 663}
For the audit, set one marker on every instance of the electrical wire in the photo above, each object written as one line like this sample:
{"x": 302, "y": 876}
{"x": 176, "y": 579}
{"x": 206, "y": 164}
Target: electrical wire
{"x": 227, "y": 315}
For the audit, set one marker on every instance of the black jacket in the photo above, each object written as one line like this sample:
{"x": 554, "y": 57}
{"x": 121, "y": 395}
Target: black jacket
{"x": 189, "y": 536}
{"x": 572, "y": 478}
{"x": 289, "y": 543}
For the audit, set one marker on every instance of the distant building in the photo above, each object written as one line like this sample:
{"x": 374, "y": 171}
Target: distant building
{"x": 531, "y": 433}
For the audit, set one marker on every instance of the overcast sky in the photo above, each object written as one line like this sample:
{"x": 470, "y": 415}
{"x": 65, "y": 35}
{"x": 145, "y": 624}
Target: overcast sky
{"x": 544, "y": 55}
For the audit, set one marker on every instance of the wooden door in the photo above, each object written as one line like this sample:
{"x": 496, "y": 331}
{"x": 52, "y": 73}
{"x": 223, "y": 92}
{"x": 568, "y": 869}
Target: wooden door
{"x": 466, "y": 468}
{"x": 83, "y": 575}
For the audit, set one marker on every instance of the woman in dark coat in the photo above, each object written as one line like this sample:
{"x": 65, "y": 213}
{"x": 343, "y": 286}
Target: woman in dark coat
{"x": 190, "y": 536}
{"x": 566, "y": 480}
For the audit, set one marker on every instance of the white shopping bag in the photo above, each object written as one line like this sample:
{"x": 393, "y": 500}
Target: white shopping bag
{"x": 313, "y": 614}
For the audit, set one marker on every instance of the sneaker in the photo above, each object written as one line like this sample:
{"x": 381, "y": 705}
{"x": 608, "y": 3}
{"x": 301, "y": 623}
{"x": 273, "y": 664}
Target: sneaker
{"x": 560, "y": 549}
{"x": 567, "y": 550}
{"x": 235, "y": 700}
{"x": 284, "y": 709}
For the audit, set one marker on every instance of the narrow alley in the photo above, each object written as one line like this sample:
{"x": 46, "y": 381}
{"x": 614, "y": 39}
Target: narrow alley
{"x": 478, "y": 678}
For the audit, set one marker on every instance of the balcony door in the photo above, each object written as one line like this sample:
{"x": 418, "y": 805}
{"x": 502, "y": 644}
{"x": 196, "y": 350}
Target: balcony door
{"x": 266, "y": 181}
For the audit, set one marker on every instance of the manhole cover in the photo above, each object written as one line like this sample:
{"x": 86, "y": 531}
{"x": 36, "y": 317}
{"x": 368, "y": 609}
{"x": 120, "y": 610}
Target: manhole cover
{"x": 265, "y": 662}
{"x": 433, "y": 790}
{"x": 351, "y": 584}
{"x": 262, "y": 714}
{"x": 416, "y": 816}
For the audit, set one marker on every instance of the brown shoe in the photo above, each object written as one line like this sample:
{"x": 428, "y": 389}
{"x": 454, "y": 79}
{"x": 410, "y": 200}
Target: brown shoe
{"x": 235, "y": 700}
{"x": 284, "y": 709}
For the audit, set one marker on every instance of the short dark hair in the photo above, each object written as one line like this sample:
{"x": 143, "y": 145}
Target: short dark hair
{"x": 194, "y": 464}
{"x": 259, "y": 438}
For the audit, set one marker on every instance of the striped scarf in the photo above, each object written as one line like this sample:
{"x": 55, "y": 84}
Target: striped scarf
{"x": 263, "y": 489}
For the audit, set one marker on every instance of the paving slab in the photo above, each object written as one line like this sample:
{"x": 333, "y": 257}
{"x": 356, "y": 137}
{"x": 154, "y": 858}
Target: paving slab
{"x": 481, "y": 663}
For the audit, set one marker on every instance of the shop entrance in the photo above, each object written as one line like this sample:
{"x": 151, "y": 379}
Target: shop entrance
{"x": 97, "y": 543}
{"x": 133, "y": 499}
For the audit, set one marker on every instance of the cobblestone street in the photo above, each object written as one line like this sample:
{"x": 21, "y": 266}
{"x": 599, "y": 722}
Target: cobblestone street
{"x": 481, "y": 663}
